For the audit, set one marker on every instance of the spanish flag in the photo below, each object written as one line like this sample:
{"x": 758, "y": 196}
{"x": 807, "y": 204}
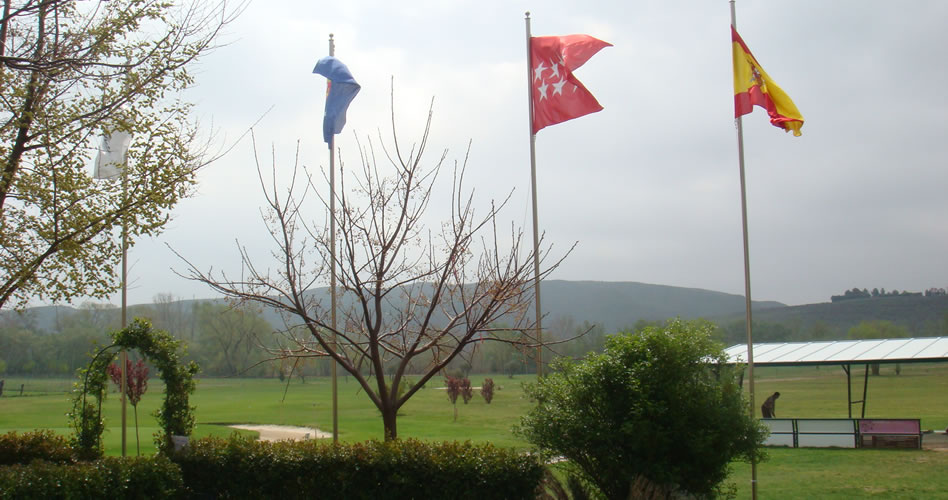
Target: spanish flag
{"x": 754, "y": 87}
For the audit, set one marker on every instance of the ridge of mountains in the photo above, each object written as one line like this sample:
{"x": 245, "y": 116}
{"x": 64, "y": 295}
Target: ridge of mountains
{"x": 619, "y": 305}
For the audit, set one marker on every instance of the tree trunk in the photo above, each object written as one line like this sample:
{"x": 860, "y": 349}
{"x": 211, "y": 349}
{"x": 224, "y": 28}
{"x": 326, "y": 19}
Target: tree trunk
{"x": 138, "y": 443}
{"x": 388, "y": 419}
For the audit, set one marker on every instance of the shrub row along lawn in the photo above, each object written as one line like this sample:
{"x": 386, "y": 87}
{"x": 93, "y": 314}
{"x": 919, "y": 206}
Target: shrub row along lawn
{"x": 39, "y": 465}
{"x": 805, "y": 393}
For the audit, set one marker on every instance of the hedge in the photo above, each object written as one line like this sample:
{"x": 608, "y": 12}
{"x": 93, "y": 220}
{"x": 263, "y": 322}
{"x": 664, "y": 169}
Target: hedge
{"x": 42, "y": 464}
{"x": 110, "y": 477}
{"x": 23, "y": 448}
{"x": 243, "y": 468}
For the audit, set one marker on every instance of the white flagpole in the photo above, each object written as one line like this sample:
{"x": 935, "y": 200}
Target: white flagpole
{"x": 533, "y": 190}
{"x": 332, "y": 273}
{"x": 747, "y": 280}
{"x": 124, "y": 357}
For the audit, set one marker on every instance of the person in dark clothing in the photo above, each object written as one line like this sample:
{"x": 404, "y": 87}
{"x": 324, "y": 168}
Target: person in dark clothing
{"x": 770, "y": 405}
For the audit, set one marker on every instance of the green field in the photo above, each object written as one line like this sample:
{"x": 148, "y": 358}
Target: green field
{"x": 918, "y": 392}
{"x": 219, "y": 402}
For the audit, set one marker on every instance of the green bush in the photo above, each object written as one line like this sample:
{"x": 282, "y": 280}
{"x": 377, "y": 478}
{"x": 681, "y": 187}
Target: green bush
{"x": 657, "y": 411}
{"x": 110, "y": 477}
{"x": 37, "y": 445}
{"x": 243, "y": 468}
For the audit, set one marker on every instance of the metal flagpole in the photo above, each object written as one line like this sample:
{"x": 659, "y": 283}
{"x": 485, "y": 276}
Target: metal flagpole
{"x": 124, "y": 356}
{"x": 747, "y": 280}
{"x": 533, "y": 188}
{"x": 332, "y": 257}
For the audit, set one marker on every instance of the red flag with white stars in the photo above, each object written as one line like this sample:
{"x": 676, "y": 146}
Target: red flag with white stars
{"x": 557, "y": 94}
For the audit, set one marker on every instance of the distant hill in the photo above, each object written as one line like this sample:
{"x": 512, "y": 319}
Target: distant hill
{"x": 616, "y": 305}
{"x": 922, "y": 316}
{"x": 613, "y": 305}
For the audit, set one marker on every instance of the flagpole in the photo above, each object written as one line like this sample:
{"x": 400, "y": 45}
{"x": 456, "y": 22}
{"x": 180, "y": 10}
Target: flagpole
{"x": 332, "y": 273}
{"x": 533, "y": 190}
{"x": 747, "y": 280}
{"x": 124, "y": 357}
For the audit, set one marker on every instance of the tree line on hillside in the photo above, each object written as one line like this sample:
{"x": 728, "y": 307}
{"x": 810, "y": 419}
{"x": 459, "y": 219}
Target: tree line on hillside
{"x": 230, "y": 341}
{"x": 227, "y": 341}
{"x": 223, "y": 340}
{"x": 864, "y": 293}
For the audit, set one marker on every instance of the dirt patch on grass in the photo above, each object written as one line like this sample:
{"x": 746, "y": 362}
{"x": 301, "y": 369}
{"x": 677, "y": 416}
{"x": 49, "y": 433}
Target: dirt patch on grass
{"x": 284, "y": 432}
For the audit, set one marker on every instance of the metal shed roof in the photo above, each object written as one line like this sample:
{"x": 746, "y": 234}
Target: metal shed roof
{"x": 843, "y": 352}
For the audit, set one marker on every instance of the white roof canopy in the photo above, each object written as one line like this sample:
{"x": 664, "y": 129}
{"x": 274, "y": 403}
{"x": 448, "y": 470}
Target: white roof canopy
{"x": 843, "y": 352}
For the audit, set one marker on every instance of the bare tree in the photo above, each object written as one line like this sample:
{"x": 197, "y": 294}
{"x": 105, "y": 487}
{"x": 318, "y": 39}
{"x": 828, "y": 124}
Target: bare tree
{"x": 171, "y": 314}
{"x": 413, "y": 298}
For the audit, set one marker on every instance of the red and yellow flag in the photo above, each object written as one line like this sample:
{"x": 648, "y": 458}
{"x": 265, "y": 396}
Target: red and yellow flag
{"x": 754, "y": 87}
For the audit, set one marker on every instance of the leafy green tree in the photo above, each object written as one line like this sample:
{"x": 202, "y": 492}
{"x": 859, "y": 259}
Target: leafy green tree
{"x": 17, "y": 348}
{"x": 69, "y": 72}
{"x": 820, "y": 330}
{"x": 655, "y": 409}
{"x": 736, "y": 332}
{"x": 878, "y": 329}
{"x": 230, "y": 338}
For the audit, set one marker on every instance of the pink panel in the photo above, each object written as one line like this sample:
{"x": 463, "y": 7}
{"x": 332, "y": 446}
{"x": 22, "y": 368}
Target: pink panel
{"x": 889, "y": 426}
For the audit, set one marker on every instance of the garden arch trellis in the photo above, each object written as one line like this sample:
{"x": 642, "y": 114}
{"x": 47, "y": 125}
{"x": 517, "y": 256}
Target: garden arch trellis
{"x": 176, "y": 416}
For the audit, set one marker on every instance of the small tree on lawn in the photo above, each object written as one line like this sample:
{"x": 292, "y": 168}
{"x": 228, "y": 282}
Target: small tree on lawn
{"x": 466, "y": 391}
{"x": 453, "y": 388}
{"x": 658, "y": 411}
{"x": 136, "y": 383}
{"x": 487, "y": 389}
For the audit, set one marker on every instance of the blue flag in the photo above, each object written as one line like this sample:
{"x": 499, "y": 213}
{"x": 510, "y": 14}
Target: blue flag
{"x": 342, "y": 89}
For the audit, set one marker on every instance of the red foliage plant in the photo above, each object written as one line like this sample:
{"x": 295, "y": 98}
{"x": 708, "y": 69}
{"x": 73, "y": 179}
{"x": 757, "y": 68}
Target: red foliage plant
{"x": 487, "y": 389}
{"x": 136, "y": 383}
{"x": 136, "y": 379}
{"x": 467, "y": 392}
{"x": 453, "y": 386}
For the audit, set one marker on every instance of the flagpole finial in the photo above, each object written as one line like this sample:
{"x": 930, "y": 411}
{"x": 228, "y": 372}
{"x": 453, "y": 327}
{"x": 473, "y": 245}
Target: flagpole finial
{"x": 528, "y": 14}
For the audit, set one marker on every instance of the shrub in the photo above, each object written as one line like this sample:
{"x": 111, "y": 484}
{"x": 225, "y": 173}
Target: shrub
{"x": 37, "y": 445}
{"x": 656, "y": 411}
{"x": 453, "y": 388}
{"x": 487, "y": 389}
{"x": 110, "y": 477}
{"x": 466, "y": 391}
{"x": 243, "y": 468}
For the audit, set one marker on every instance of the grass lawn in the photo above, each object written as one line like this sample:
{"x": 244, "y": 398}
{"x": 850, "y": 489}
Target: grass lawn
{"x": 219, "y": 402}
{"x": 811, "y": 392}
{"x": 820, "y": 392}
{"x": 846, "y": 474}
{"x": 918, "y": 392}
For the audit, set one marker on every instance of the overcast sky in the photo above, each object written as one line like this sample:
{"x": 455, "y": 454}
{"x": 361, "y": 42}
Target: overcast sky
{"x": 649, "y": 187}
